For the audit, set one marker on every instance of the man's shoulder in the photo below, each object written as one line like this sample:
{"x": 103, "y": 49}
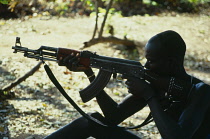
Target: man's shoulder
{"x": 202, "y": 92}
{"x": 201, "y": 86}
{"x": 199, "y": 96}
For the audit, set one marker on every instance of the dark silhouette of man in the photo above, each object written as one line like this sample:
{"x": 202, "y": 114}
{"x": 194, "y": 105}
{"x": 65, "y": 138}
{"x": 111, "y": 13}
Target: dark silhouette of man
{"x": 179, "y": 103}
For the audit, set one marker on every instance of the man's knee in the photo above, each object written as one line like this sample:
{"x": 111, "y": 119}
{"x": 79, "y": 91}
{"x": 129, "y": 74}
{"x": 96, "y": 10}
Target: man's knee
{"x": 80, "y": 122}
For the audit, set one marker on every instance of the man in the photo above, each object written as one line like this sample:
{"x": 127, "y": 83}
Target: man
{"x": 179, "y": 103}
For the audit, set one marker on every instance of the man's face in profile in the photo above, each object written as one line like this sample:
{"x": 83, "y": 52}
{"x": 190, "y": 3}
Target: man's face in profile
{"x": 157, "y": 58}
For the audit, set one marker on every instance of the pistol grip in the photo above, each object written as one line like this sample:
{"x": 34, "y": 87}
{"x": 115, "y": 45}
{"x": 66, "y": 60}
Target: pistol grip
{"x": 96, "y": 86}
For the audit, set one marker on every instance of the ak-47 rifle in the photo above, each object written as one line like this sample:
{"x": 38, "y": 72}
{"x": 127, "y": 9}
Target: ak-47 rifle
{"x": 106, "y": 65}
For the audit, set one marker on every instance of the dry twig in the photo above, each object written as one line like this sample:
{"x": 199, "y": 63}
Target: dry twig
{"x": 111, "y": 39}
{"x": 105, "y": 17}
{"x": 21, "y": 79}
{"x": 96, "y": 24}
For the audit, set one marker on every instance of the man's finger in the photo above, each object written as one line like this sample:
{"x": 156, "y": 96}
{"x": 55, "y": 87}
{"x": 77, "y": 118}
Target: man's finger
{"x": 72, "y": 60}
{"x": 66, "y": 59}
{"x": 60, "y": 63}
{"x": 128, "y": 82}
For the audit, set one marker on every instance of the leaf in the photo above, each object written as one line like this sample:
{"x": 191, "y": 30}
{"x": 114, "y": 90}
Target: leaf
{"x": 44, "y": 105}
{"x": 117, "y": 93}
{"x": 1, "y": 129}
{"x": 4, "y": 1}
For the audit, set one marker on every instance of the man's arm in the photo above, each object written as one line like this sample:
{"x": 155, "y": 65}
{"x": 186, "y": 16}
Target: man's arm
{"x": 190, "y": 119}
{"x": 115, "y": 113}
{"x": 194, "y": 114}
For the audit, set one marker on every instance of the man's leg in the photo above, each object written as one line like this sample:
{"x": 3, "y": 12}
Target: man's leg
{"x": 81, "y": 128}
{"x": 101, "y": 132}
{"x": 77, "y": 129}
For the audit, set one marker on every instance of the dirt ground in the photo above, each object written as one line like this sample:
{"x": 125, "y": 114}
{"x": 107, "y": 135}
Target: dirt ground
{"x": 37, "y": 112}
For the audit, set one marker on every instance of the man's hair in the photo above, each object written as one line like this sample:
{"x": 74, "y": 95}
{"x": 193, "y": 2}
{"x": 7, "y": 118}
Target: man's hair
{"x": 172, "y": 42}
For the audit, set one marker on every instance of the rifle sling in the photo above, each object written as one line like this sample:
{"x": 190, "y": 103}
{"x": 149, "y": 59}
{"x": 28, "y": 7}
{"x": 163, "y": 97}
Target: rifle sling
{"x": 88, "y": 117}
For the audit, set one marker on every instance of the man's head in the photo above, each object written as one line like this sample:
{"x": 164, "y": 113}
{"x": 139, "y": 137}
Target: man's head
{"x": 165, "y": 53}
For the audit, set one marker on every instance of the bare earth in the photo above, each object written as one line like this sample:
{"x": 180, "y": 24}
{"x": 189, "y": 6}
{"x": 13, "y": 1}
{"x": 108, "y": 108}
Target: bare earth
{"x": 38, "y": 108}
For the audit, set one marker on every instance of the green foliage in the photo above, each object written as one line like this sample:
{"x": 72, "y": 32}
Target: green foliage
{"x": 194, "y": 1}
{"x": 102, "y": 12}
{"x": 4, "y": 1}
{"x": 6, "y": 95}
{"x": 61, "y": 8}
{"x": 21, "y": 8}
{"x": 90, "y": 4}
{"x": 150, "y": 2}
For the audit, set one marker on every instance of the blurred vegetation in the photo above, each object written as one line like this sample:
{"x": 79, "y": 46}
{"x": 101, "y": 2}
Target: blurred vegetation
{"x": 69, "y": 8}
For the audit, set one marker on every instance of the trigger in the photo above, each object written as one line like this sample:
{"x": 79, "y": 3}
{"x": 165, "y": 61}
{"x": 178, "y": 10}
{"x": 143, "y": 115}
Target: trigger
{"x": 117, "y": 77}
{"x": 114, "y": 75}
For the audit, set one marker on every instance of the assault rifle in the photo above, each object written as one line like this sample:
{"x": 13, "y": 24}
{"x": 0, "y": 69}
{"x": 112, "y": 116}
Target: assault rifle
{"x": 106, "y": 65}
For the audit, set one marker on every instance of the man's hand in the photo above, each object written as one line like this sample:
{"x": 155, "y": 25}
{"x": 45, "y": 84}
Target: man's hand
{"x": 139, "y": 87}
{"x": 70, "y": 61}
{"x": 156, "y": 81}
